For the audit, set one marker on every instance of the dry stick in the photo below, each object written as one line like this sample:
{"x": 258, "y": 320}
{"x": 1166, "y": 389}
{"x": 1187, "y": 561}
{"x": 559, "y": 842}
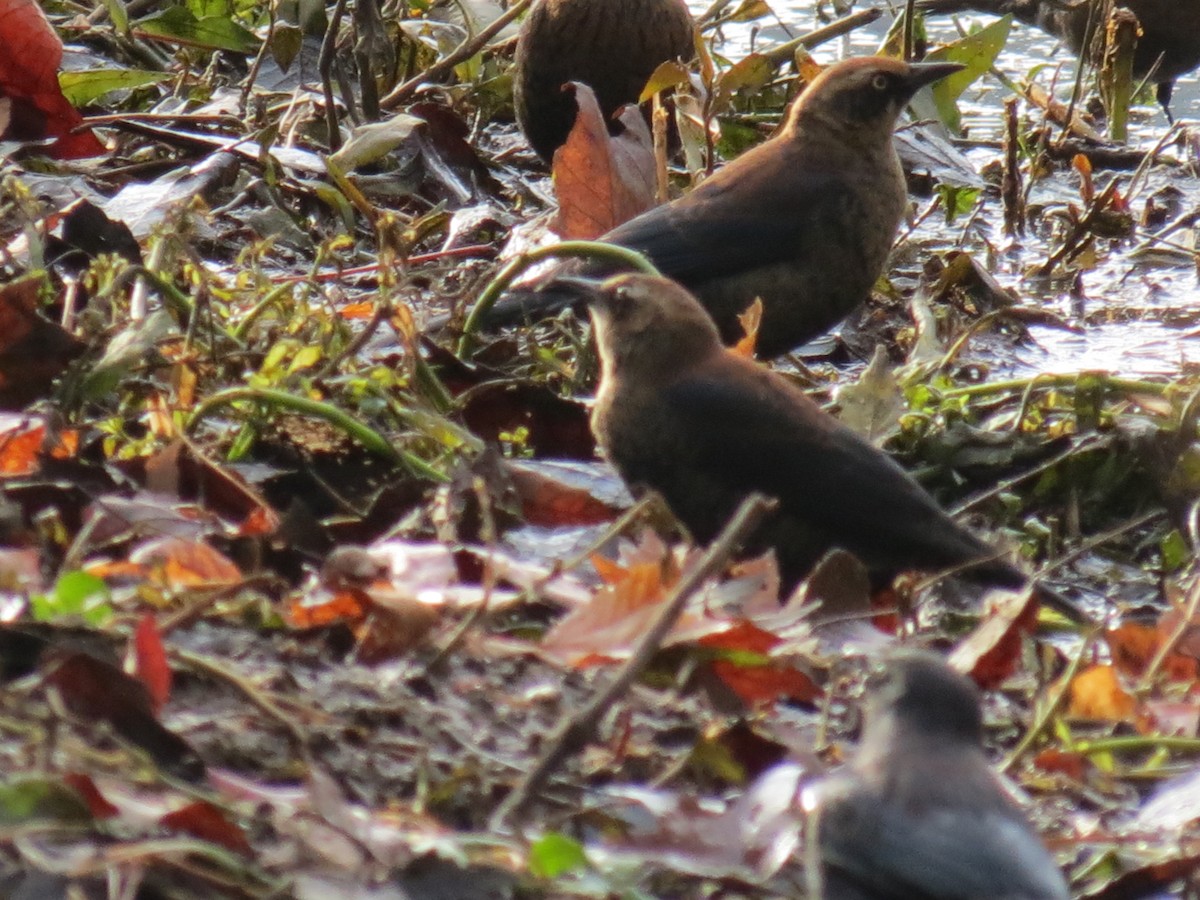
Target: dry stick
{"x": 785, "y": 52}
{"x": 1051, "y": 708}
{"x": 461, "y": 53}
{"x": 909, "y": 13}
{"x": 325, "y": 69}
{"x": 577, "y": 730}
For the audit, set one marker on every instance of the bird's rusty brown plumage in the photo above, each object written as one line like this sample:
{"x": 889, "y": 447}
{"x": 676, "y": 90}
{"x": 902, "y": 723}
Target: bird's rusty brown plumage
{"x": 804, "y": 221}
{"x": 613, "y": 46}
{"x": 679, "y": 413}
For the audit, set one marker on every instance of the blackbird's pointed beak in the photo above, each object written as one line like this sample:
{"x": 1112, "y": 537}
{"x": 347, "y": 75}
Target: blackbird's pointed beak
{"x": 923, "y": 73}
{"x": 592, "y": 292}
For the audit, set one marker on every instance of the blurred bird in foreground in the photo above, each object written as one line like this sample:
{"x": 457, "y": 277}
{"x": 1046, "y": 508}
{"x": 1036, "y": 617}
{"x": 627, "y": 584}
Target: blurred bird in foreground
{"x": 1168, "y": 47}
{"x": 678, "y": 413}
{"x": 613, "y": 46}
{"x": 805, "y": 221}
{"x": 918, "y": 812}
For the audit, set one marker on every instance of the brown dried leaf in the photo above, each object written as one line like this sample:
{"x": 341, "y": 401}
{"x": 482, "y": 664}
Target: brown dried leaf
{"x": 600, "y": 180}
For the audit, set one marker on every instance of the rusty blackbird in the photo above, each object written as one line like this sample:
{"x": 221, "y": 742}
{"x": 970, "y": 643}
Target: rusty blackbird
{"x": 804, "y": 221}
{"x": 918, "y": 812}
{"x": 613, "y": 46}
{"x": 1169, "y": 43}
{"x": 703, "y": 426}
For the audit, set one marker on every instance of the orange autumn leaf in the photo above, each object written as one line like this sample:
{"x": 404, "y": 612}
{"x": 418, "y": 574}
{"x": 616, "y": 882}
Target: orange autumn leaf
{"x": 180, "y": 563}
{"x": 1096, "y": 693}
{"x": 344, "y": 606}
{"x": 24, "y": 441}
{"x": 750, "y": 320}
{"x": 617, "y": 616}
{"x": 362, "y": 310}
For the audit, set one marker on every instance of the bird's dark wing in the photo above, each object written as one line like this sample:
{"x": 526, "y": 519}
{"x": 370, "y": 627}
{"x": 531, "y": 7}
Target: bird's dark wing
{"x": 756, "y": 434}
{"x": 948, "y": 853}
{"x": 741, "y": 222}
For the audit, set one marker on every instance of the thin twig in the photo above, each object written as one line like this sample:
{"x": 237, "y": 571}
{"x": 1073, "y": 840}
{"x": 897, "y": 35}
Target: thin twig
{"x": 1051, "y": 708}
{"x": 574, "y": 733}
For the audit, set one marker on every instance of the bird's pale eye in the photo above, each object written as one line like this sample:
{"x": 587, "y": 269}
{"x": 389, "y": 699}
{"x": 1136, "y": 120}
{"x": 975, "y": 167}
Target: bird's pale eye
{"x": 880, "y": 82}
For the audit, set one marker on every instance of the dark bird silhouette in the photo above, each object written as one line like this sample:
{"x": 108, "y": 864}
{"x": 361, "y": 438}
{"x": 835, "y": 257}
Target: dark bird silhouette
{"x": 613, "y": 46}
{"x": 1169, "y": 44}
{"x": 703, "y": 426}
{"x": 804, "y": 221}
{"x": 918, "y": 813}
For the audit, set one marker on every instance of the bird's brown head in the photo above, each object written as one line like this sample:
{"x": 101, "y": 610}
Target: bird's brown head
{"x": 919, "y": 695}
{"x": 864, "y": 95}
{"x": 647, "y": 325}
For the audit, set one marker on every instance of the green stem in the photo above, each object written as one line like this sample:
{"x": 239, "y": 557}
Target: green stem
{"x": 576, "y": 249}
{"x": 256, "y": 311}
{"x": 340, "y": 419}
{"x": 1137, "y": 742}
{"x": 1047, "y": 380}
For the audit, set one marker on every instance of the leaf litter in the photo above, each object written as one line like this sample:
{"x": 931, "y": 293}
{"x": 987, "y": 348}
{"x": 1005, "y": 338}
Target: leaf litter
{"x": 275, "y": 626}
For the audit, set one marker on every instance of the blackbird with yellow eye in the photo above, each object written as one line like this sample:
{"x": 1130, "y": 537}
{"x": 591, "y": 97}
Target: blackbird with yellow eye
{"x": 804, "y": 221}
{"x": 918, "y": 813}
{"x": 613, "y": 46}
{"x": 704, "y": 426}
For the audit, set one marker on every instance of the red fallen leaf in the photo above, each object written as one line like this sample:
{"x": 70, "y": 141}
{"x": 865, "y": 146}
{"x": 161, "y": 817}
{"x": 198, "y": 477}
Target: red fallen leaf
{"x": 29, "y": 65}
{"x": 758, "y": 683}
{"x": 97, "y": 691}
{"x": 261, "y": 521}
{"x": 991, "y": 652}
{"x": 1073, "y": 765}
{"x": 763, "y": 684}
{"x": 602, "y": 181}
{"x": 153, "y": 670}
{"x": 203, "y": 820}
{"x": 33, "y": 350}
{"x": 552, "y": 502}
{"x": 86, "y": 788}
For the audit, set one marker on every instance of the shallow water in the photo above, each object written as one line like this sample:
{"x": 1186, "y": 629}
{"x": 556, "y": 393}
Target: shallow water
{"x": 1138, "y": 313}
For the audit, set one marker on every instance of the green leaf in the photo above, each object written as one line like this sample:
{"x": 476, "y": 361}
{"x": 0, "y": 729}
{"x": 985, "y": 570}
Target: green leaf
{"x": 211, "y": 32}
{"x": 119, "y": 15}
{"x": 977, "y": 51}
{"x": 83, "y": 88}
{"x": 75, "y": 594}
{"x": 554, "y": 855}
{"x": 40, "y": 800}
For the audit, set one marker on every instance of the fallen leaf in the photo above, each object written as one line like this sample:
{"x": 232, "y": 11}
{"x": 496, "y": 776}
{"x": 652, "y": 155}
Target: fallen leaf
{"x": 602, "y": 181}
